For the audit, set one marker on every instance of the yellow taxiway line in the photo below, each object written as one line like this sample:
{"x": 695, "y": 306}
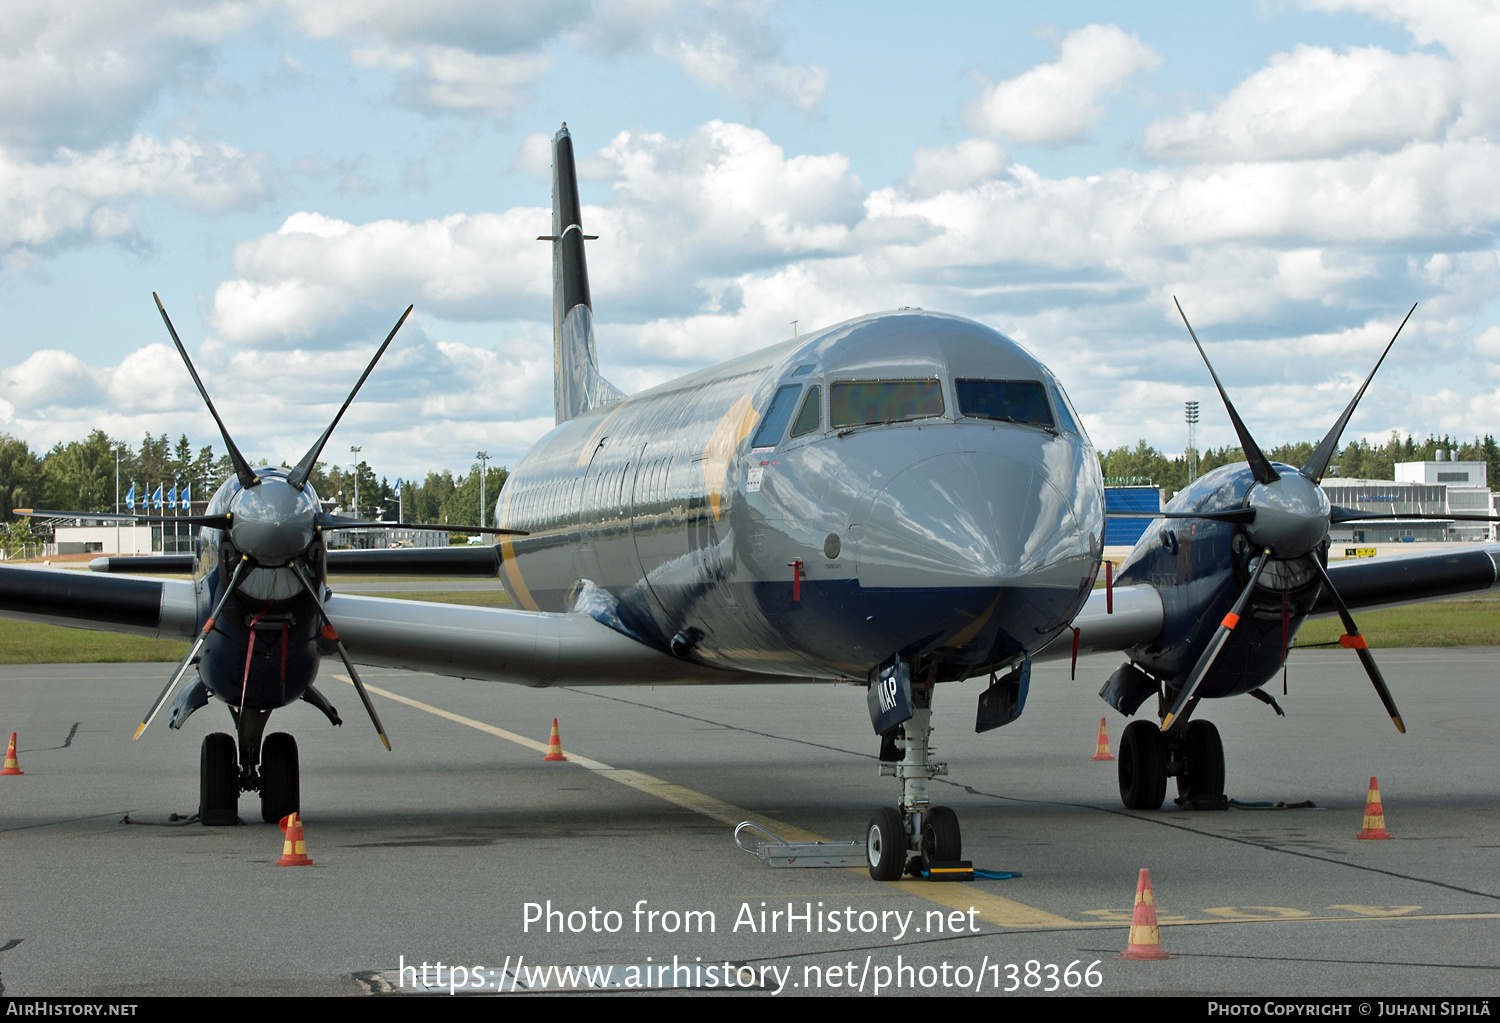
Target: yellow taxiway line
{"x": 993, "y": 909}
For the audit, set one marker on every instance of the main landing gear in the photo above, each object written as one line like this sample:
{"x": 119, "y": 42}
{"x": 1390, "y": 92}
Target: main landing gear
{"x": 1193, "y": 755}
{"x": 910, "y": 838}
{"x": 269, "y": 768}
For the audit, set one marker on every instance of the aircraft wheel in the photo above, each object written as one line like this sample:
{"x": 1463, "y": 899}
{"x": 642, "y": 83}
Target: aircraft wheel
{"x": 1143, "y": 766}
{"x": 280, "y": 786}
{"x": 886, "y": 844}
{"x": 218, "y": 781}
{"x": 1203, "y": 761}
{"x": 940, "y": 836}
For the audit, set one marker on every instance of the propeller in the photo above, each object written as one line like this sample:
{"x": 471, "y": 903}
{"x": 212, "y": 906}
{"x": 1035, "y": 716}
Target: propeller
{"x": 331, "y": 633}
{"x": 272, "y": 521}
{"x": 208, "y": 626}
{"x": 1290, "y": 521}
{"x": 212, "y": 521}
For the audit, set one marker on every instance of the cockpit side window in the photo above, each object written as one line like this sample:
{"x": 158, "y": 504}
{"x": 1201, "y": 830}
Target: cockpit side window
{"x": 811, "y": 416}
{"x": 1065, "y": 412}
{"x": 774, "y": 423}
{"x": 1010, "y": 401}
{"x": 861, "y": 402}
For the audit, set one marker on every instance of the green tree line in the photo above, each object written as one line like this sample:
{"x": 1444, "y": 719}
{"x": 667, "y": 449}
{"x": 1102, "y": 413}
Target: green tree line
{"x": 80, "y": 476}
{"x": 1357, "y": 459}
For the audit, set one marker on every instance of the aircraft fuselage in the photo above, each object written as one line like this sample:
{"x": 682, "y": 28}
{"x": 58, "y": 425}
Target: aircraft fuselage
{"x": 718, "y": 517}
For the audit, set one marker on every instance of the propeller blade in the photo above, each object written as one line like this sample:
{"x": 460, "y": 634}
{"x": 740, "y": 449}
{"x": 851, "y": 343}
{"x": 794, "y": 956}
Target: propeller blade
{"x": 1211, "y": 652}
{"x": 1317, "y": 462}
{"x": 214, "y": 521}
{"x": 242, "y": 468}
{"x": 304, "y": 468}
{"x": 1354, "y": 640}
{"x": 325, "y": 521}
{"x": 208, "y": 626}
{"x": 1234, "y": 515}
{"x": 1259, "y": 464}
{"x": 1339, "y": 514}
{"x": 330, "y": 632}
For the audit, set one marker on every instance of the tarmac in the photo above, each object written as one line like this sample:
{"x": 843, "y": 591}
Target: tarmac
{"x": 464, "y": 847}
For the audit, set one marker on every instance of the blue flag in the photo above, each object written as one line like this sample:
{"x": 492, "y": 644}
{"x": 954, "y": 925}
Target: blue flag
{"x": 398, "y": 486}
{"x": 187, "y": 496}
{"x": 130, "y": 497}
{"x": 156, "y": 497}
{"x": 172, "y": 497}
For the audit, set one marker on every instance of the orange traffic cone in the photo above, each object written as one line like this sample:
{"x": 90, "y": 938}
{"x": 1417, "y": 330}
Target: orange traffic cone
{"x": 1145, "y": 936}
{"x": 554, "y": 745}
{"x": 12, "y": 766}
{"x": 1101, "y": 748}
{"x": 1374, "y": 815}
{"x": 294, "y": 848}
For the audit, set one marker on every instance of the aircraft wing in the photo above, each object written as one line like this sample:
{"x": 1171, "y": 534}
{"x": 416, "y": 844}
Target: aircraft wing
{"x": 481, "y": 560}
{"x": 1133, "y": 615}
{"x": 1387, "y": 581}
{"x": 162, "y": 608}
{"x": 1412, "y": 578}
{"x": 534, "y": 648}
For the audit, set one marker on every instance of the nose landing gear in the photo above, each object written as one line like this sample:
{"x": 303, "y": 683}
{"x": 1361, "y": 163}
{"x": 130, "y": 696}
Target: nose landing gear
{"x": 910, "y": 838}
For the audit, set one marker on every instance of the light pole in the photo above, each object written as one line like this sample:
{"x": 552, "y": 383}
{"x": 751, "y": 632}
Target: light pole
{"x": 1191, "y": 414}
{"x": 355, "y": 451}
{"x": 484, "y": 457}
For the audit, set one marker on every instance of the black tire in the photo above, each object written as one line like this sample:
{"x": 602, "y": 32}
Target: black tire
{"x": 1202, "y": 771}
{"x": 886, "y": 840}
{"x": 1143, "y": 766}
{"x": 218, "y": 781}
{"x": 941, "y": 840}
{"x": 280, "y": 785}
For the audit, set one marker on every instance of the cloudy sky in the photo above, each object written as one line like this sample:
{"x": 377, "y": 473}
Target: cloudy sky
{"x": 290, "y": 174}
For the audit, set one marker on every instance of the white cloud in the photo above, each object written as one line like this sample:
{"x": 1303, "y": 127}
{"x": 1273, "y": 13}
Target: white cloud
{"x": 953, "y": 167}
{"x": 81, "y": 73}
{"x": 318, "y": 279}
{"x": 1057, "y": 104}
{"x": 91, "y": 196}
{"x": 1313, "y": 102}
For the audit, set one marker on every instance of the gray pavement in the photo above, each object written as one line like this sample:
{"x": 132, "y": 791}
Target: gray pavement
{"x": 433, "y": 852}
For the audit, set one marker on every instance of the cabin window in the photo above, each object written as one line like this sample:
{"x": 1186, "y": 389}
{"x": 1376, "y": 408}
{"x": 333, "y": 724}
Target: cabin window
{"x": 860, "y": 402}
{"x": 777, "y": 416}
{"x": 811, "y": 416}
{"x": 1009, "y": 401}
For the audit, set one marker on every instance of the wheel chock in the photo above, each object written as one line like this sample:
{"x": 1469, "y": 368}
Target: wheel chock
{"x": 949, "y": 870}
{"x": 777, "y": 853}
{"x": 12, "y": 766}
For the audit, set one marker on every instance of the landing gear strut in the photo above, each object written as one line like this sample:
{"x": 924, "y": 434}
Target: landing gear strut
{"x": 914, "y": 835}
{"x": 1193, "y": 755}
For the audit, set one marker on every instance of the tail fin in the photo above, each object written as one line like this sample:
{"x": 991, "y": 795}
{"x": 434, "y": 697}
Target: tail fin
{"x": 577, "y": 385}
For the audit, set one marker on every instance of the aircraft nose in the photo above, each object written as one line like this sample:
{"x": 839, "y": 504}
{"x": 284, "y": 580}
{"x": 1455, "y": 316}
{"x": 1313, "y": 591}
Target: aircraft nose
{"x": 973, "y": 519}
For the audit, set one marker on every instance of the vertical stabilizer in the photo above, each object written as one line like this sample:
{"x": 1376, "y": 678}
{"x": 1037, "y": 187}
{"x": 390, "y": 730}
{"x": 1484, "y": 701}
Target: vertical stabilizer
{"x": 577, "y": 385}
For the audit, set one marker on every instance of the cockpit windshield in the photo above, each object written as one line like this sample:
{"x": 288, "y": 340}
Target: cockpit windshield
{"x": 861, "y": 402}
{"x": 1011, "y": 401}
